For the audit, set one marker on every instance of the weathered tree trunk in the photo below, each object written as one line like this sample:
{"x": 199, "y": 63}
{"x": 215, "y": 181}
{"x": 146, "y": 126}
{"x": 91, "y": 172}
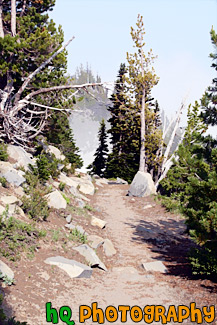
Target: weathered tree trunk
{"x": 13, "y": 17}
{"x": 142, "y": 164}
{"x": 1, "y": 20}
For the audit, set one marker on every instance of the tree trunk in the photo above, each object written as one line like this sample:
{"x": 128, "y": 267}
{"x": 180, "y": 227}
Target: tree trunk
{"x": 13, "y": 17}
{"x": 1, "y": 20}
{"x": 142, "y": 164}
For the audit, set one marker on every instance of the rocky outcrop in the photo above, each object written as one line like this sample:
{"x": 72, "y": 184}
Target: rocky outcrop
{"x": 13, "y": 176}
{"x": 142, "y": 185}
{"x": 72, "y": 268}
{"x": 20, "y": 156}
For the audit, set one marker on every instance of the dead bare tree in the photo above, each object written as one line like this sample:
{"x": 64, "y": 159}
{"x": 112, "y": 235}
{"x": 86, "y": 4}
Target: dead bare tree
{"x": 20, "y": 124}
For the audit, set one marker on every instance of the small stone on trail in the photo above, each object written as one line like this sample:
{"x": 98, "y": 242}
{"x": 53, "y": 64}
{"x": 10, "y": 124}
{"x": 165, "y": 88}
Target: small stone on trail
{"x": 156, "y": 266}
{"x": 90, "y": 256}
{"x": 109, "y": 248}
{"x": 73, "y": 268}
{"x": 69, "y": 218}
{"x": 98, "y": 222}
{"x": 147, "y": 206}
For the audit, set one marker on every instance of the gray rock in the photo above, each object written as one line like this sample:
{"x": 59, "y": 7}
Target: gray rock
{"x": 67, "y": 180}
{"x": 5, "y": 270}
{"x": 2, "y": 210}
{"x": 60, "y": 166}
{"x": 121, "y": 181}
{"x": 81, "y": 203}
{"x": 73, "y": 268}
{"x": 56, "y": 152}
{"x": 19, "y": 191}
{"x": 69, "y": 218}
{"x": 95, "y": 241}
{"x": 98, "y": 183}
{"x": 10, "y": 199}
{"x": 156, "y": 266}
{"x": 70, "y": 226}
{"x": 148, "y": 206}
{"x": 109, "y": 248}
{"x": 22, "y": 158}
{"x": 142, "y": 185}
{"x": 98, "y": 222}
{"x": 13, "y": 176}
{"x": 55, "y": 200}
{"x": 84, "y": 185}
{"x": 90, "y": 256}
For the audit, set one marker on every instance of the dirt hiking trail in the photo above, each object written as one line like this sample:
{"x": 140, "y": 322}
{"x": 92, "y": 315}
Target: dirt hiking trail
{"x": 126, "y": 282}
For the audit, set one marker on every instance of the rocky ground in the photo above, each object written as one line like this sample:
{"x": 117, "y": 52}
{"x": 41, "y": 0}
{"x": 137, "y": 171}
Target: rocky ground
{"x": 117, "y": 240}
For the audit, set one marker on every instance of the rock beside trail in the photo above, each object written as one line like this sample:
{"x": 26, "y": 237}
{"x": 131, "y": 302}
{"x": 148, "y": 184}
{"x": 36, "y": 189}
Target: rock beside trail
{"x": 73, "y": 268}
{"x": 84, "y": 185}
{"x": 90, "y": 256}
{"x": 95, "y": 241}
{"x": 22, "y": 158}
{"x": 108, "y": 248}
{"x": 98, "y": 222}
{"x": 56, "y": 152}
{"x": 10, "y": 199}
{"x": 5, "y": 271}
{"x": 156, "y": 266}
{"x": 13, "y": 176}
{"x": 142, "y": 185}
{"x": 70, "y": 226}
{"x": 67, "y": 180}
{"x": 55, "y": 200}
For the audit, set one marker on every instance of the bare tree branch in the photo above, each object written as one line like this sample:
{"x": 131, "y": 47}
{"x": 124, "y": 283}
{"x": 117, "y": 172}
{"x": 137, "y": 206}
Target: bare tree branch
{"x": 32, "y": 75}
{"x": 13, "y": 17}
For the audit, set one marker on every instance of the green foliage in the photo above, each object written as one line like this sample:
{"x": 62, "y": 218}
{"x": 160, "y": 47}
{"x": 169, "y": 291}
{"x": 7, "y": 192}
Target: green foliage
{"x": 60, "y": 135}
{"x": 209, "y": 100}
{"x": 3, "y": 181}
{"x": 15, "y": 236}
{"x": 62, "y": 186}
{"x": 46, "y": 166}
{"x": 77, "y": 236}
{"x": 3, "y": 152}
{"x": 133, "y": 93}
{"x": 35, "y": 203}
{"x": 192, "y": 184}
{"x": 99, "y": 163}
{"x": 66, "y": 198}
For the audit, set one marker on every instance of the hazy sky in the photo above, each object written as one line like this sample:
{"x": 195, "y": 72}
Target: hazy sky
{"x": 176, "y": 30}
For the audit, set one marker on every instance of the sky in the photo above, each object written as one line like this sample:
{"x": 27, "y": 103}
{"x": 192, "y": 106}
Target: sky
{"x": 178, "y": 31}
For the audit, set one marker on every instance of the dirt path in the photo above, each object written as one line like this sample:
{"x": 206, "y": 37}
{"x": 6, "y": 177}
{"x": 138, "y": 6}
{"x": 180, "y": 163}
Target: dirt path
{"x": 126, "y": 282}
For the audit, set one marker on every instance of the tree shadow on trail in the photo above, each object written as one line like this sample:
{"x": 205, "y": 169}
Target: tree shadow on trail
{"x": 169, "y": 241}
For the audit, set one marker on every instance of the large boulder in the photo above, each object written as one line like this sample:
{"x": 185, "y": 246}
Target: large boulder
{"x": 73, "y": 268}
{"x": 67, "y": 180}
{"x": 55, "y": 200}
{"x": 20, "y": 156}
{"x": 142, "y": 185}
{"x": 13, "y": 176}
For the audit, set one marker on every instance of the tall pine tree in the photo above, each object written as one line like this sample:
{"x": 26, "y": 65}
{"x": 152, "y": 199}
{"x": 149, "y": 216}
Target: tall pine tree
{"x": 99, "y": 163}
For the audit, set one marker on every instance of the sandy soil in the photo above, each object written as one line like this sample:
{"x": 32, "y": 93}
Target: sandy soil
{"x": 126, "y": 282}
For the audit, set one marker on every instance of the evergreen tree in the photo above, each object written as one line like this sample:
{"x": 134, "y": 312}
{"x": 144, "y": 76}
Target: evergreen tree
{"x": 209, "y": 100}
{"x": 141, "y": 79}
{"x": 99, "y": 163}
{"x": 27, "y": 39}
